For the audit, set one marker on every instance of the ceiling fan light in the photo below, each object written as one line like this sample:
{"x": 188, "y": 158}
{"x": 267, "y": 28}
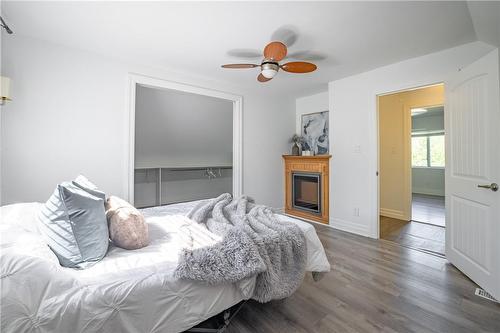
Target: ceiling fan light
{"x": 269, "y": 70}
{"x": 269, "y": 73}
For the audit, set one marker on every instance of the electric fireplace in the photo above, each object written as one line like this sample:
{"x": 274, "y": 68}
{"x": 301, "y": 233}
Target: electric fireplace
{"x": 307, "y": 187}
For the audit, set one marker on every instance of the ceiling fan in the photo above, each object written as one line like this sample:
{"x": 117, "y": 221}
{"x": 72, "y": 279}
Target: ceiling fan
{"x": 274, "y": 52}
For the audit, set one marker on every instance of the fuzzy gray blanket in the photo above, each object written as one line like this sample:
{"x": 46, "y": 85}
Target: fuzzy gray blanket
{"x": 253, "y": 242}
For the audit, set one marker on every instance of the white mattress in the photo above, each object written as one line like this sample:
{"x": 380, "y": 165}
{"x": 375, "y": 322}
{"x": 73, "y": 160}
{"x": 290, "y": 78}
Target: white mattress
{"x": 128, "y": 291}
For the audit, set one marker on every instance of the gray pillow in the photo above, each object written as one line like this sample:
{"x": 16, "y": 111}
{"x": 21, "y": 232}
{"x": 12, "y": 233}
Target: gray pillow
{"x": 74, "y": 224}
{"x": 82, "y": 182}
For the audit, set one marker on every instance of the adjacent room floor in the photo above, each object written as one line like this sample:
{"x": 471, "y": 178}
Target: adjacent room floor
{"x": 428, "y": 209}
{"x": 420, "y": 236}
{"x": 426, "y": 232}
{"x": 375, "y": 286}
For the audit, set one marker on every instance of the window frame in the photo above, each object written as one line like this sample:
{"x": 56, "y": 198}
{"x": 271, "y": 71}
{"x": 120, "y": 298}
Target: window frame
{"x": 427, "y": 135}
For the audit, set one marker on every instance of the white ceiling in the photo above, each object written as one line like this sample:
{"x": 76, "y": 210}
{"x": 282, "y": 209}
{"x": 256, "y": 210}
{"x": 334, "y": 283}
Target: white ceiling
{"x": 486, "y": 20}
{"x": 195, "y": 37}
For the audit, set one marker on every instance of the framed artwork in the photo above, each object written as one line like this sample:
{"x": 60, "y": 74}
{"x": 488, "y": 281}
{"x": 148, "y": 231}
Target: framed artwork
{"x": 314, "y": 130}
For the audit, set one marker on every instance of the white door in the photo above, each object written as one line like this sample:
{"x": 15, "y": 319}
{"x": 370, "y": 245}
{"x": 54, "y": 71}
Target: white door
{"x": 472, "y": 125}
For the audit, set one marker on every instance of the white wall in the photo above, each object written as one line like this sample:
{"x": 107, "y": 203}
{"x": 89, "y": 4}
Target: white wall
{"x": 68, "y": 117}
{"x": 353, "y": 124}
{"x": 179, "y": 129}
{"x": 428, "y": 123}
{"x": 309, "y": 104}
{"x": 428, "y": 181}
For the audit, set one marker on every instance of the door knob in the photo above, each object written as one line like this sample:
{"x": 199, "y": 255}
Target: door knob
{"x": 492, "y": 186}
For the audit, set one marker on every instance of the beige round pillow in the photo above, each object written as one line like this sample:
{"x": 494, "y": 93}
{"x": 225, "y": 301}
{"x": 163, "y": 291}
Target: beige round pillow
{"x": 127, "y": 227}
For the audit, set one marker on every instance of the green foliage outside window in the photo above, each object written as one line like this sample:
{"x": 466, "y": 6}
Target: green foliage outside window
{"x": 427, "y": 150}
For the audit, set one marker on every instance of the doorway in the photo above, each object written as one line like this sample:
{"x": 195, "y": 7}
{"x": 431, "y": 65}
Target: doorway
{"x": 472, "y": 170}
{"x": 412, "y": 168}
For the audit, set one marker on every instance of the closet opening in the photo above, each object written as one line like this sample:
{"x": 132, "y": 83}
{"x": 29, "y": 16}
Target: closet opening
{"x": 185, "y": 143}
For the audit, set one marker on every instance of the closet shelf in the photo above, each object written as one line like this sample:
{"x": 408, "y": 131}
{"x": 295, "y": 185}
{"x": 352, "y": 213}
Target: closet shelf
{"x": 209, "y": 171}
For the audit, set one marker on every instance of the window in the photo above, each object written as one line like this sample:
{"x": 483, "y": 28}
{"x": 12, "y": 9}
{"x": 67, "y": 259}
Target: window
{"x": 427, "y": 150}
{"x": 419, "y": 151}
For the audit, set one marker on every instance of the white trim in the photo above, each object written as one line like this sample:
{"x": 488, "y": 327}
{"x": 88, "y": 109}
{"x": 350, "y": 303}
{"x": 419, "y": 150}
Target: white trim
{"x": 427, "y": 133}
{"x": 338, "y": 224}
{"x": 427, "y": 191}
{"x": 407, "y": 174}
{"x": 393, "y": 213}
{"x": 376, "y": 233}
{"x": 135, "y": 79}
{"x": 428, "y": 168}
{"x": 130, "y": 160}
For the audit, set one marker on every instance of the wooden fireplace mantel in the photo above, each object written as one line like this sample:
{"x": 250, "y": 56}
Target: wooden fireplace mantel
{"x": 319, "y": 164}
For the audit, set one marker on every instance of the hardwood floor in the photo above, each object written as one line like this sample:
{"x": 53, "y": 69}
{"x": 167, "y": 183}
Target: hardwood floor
{"x": 421, "y": 236}
{"x": 428, "y": 209}
{"x": 375, "y": 286}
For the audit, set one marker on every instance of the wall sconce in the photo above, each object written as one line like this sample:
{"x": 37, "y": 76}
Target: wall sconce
{"x": 4, "y": 89}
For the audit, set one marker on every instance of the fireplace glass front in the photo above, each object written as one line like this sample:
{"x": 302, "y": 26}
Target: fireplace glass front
{"x": 306, "y": 192}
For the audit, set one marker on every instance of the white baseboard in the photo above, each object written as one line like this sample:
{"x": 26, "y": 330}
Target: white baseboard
{"x": 428, "y": 192}
{"x": 342, "y": 225}
{"x": 392, "y": 213}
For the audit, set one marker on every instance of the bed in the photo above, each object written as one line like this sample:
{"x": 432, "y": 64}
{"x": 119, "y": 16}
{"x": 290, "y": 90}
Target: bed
{"x": 128, "y": 291}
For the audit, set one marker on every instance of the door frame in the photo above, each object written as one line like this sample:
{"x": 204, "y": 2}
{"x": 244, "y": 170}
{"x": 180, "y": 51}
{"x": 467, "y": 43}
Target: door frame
{"x": 151, "y": 82}
{"x": 406, "y": 147}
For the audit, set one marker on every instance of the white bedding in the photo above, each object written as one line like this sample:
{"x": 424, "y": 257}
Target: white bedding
{"x": 128, "y": 291}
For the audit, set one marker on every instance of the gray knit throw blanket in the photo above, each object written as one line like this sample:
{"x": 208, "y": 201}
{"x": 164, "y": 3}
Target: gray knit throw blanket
{"x": 253, "y": 242}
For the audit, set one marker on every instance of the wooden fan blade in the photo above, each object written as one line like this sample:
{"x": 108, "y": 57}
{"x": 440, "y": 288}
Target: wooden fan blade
{"x": 262, "y": 78}
{"x": 240, "y": 66}
{"x": 298, "y": 67}
{"x": 275, "y": 51}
